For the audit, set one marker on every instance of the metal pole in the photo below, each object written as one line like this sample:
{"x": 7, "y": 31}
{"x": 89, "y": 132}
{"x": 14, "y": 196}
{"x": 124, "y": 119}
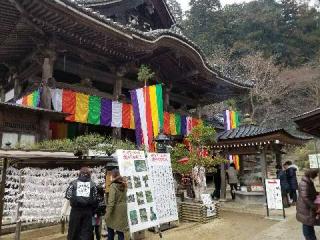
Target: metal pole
{"x": 2, "y": 189}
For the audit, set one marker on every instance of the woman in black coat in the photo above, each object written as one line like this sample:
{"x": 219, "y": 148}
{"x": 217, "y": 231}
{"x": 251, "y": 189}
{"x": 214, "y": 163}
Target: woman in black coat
{"x": 291, "y": 171}
{"x": 285, "y": 188}
{"x": 306, "y": 209}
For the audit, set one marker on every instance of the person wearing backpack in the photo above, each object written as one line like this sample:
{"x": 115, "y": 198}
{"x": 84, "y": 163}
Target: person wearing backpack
{"x": 82, "y": 194}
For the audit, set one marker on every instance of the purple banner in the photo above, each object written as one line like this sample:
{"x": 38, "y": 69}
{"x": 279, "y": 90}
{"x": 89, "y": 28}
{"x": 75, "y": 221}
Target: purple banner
{"x": 137, "y": 119}
{"x": 106, "y": 112}
{"x": 183, "y": 125}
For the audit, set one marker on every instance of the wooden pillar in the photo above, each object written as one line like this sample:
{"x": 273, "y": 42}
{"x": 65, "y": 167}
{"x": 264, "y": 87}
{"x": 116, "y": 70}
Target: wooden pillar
{"x": 44, "y": 128}
{"x": 166, "y": 102}
{"x": 264, "y": 167}
{"x": 199, "y": 111}
{"x": 17, "y": 85}
{"x": 2, "y": 94}
{"x": 2, "y": 189}
{"x": 223, "y": 182}
{"x": 117, "y": 92}
{"x": 47, "y": 74}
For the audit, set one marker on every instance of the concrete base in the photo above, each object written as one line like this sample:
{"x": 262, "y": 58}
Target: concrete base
{"x": 250, "y": 197}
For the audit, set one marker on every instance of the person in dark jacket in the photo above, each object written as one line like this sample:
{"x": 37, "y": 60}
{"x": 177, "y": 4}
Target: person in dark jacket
{"x": 285, "y": 188}
{"x": 291, "y": 171}
{"x": 217, "y": 183}
{"x": 82, "y": 194}
{"x": 306, "y": 209}
{"x": 98, "y": 213}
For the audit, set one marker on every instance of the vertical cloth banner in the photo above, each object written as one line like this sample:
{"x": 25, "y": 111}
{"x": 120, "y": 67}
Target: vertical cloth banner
{"x": 231, "y": 121}
{"x": 56, "y": 96}
{"x": 116, "y": 115}
{"x": 94, "y": 110}
{"x": 126, "y": 115}
{"x": 69, "y": 104}
{"x": 106, "y": 112}
{"x": 82, "y": 108}
{"x": 149, "y": 103}
{"x": 137, "y": 120}
{"x": 154, "y": 110}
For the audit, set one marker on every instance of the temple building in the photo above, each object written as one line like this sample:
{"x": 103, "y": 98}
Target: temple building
{"x": 95, "y": 48}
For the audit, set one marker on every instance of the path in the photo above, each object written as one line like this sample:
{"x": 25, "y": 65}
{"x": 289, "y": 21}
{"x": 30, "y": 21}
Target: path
{"x": 231, "y": 226}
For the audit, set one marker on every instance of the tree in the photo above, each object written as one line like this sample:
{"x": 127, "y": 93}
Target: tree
{"x": 176, "y": 10}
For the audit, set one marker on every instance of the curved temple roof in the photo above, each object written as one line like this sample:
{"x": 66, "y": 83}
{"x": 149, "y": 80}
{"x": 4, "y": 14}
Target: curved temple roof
{"x": 24, "y": 22}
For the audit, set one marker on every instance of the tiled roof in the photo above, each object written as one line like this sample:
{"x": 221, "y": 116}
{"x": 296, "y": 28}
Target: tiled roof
{"x": 249, "y": 131}
{"x": 307, "y": 114}
{"x": 156, "y": 35}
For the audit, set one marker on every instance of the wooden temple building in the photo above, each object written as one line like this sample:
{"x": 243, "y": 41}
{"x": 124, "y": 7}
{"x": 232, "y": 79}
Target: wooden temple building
{"x": 309, "y": 122}
{"x": 259, "y": 150}
{"x": 96, "y": 47}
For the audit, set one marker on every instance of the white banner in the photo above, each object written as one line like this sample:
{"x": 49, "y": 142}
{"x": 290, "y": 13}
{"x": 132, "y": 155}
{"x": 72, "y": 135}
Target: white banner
{"x": 273, "y": 190}
{"x": 162, "y": 178}
{"x": 142, "y": 213}
{"x": 314, "y": 160}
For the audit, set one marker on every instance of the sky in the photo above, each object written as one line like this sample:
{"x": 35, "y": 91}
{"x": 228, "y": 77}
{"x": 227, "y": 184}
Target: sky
{"x": 185, "y": 3}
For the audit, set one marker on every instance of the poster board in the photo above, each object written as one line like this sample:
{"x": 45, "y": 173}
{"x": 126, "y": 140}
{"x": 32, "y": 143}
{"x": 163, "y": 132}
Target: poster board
{"x": 142, "y": 213}
{"x": 160, "y": 170}
{"x": 314, "y": 160}
{"x": 273, "y": 192}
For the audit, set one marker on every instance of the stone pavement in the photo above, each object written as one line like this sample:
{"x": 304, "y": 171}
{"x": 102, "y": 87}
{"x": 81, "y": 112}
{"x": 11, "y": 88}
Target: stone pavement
{"x": 289, "y": 229}
{"x": 236, "y": 224}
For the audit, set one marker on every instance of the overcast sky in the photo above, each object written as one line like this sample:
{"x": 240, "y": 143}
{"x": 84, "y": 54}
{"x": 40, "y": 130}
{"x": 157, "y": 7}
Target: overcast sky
{"x": 185, "y": 3}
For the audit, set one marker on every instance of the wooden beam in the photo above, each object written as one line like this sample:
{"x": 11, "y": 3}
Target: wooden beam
{"x": 25, "y": 16}
{"x": 109, "y": 78}
{"x": 186, "y": 76}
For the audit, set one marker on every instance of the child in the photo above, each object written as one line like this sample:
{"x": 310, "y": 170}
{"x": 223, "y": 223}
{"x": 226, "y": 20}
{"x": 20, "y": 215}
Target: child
{"x": 317, "y": 202}
{"x": 99, "y": 212}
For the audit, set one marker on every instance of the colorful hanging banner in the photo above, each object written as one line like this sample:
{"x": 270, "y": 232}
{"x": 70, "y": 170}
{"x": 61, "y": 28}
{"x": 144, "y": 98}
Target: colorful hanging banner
{"x": 148, "y": 103}
{"x": 145, "y": 115}
{"x": 231, "y": 121}
{"x": 30, "y": 100}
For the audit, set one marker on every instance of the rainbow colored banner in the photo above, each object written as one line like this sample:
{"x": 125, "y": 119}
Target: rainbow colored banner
{"x": 231, "y": 121}
{"x": 83, "y": 108}
{"x": 147, "y": 105}
{"x": 30, "y": 100}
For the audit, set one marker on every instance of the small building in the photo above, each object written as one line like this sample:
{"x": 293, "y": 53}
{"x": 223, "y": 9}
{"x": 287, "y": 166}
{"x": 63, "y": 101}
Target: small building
{"x": 309, "y": 122}
{"x": 259, "y": 150}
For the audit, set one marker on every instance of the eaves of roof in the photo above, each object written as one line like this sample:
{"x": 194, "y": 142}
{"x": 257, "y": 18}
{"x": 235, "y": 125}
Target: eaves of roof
{"x": 153, "y": 37}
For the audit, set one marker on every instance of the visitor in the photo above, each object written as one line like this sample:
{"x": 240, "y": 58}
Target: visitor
{"x": 232, "y": 180}
{"x": 116, "y": 217}
{"x": 82, "y": 194}
{"x": 217, "y": 183}
{"x": 291, "y": 171}
{"x": 306, "y": 208}
{"x": 98, "y": 213}
{"x": 285, "y": 188}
